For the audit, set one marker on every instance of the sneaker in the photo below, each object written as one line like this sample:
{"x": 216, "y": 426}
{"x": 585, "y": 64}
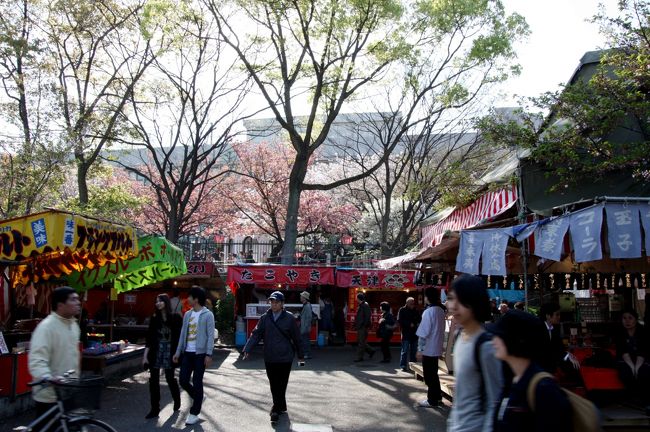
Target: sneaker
{"x": 425, "y": 404}
{"x": 405, "y": 369}
{"x": 192, "y": 419}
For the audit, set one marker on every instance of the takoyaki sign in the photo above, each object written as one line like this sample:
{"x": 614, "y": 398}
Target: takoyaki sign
{"x": 375, "y": 279}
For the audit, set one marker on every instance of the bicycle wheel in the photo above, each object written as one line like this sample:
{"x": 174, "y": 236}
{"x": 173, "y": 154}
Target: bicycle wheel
{"x": 87, "y": 425}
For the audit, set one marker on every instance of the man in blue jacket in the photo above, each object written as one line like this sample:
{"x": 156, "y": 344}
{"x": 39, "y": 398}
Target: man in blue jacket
{"x": 195, "y": 347}
{"x": 279, "y": 330}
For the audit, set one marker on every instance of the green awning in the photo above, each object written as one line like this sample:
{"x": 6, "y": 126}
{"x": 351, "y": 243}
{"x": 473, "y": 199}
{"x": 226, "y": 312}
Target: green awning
{"x": 157, "y": 259}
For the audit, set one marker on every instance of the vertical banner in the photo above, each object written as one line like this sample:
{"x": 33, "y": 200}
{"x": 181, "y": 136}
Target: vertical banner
{"x": 645, "y": 220}
{"x": 469, "y": 253}
{"x": 549, "y": 238}
{"x": 585, "y": 226}
{"x": 623, "y": 230}
{"x": 494, "y": 252}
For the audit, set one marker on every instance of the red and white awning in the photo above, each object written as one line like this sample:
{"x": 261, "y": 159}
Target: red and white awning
{"x": 486, "y": 207}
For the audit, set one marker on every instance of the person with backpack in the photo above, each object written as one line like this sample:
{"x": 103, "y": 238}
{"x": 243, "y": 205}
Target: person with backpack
{"x": 519, "y": 341}
{"x": 431, "y": 334}
{"x": 387, "y": 325}
{"x": 479, "y": 377}
{"x": 278, "y": 329}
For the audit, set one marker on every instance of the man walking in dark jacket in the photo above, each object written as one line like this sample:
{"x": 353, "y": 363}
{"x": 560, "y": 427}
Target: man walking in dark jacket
{"x": 279, "y": 330}
{"x": 362, "y": 324}
{"x": 408, "y": 319}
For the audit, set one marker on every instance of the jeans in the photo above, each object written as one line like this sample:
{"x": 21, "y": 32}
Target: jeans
{"x": 306, "y": 344}
{"x": 154, "y": 387}
{"x": 431, "y": 379}
{"x": 193, "y": 364}
{"x": 409, "y": 348}
{"x": 278, "y": 374}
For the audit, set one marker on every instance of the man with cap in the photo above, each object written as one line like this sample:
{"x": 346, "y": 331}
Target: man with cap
{"x": 279, "y": 331}
{"x": 362, "y": 325}
{"x": 305, "y": 324}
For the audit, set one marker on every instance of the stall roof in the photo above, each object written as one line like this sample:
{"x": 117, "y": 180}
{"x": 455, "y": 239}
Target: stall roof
{"x": 158, "y": 259}
{"x": 56, "y": 242}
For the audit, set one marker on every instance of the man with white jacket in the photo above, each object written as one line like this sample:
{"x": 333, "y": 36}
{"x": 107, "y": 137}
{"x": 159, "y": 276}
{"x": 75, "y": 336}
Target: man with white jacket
{"x": 54, "y": 346}
{"x": 431, "y": 333}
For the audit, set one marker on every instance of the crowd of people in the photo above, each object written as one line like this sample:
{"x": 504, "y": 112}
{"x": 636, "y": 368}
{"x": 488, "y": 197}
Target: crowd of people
{"x": 504, "y": 367}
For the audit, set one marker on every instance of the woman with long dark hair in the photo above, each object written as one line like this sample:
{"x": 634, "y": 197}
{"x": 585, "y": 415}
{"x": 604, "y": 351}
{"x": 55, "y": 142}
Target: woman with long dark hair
{"x": 162, "y": 340}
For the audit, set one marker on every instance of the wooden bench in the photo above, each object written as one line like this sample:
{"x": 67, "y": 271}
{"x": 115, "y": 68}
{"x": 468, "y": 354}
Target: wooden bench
{"x": 447, "y": 381}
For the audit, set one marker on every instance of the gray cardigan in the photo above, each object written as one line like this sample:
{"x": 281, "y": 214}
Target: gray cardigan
{"x": 204, "y": 333}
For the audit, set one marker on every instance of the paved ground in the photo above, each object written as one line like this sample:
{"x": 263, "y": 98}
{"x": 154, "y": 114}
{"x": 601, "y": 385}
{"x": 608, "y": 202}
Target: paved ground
{"x": 330, "y": 391}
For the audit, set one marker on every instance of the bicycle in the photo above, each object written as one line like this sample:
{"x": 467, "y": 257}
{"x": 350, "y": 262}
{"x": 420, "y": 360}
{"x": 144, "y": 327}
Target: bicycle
{"x": 75, "y": 401}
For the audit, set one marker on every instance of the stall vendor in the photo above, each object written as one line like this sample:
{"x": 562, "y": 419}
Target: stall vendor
{"x": 557, "y": 357}
{"x": 632, "y": 353}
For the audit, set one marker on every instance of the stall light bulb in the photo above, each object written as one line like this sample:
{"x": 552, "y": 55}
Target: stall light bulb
{"x": 175, "y": 282}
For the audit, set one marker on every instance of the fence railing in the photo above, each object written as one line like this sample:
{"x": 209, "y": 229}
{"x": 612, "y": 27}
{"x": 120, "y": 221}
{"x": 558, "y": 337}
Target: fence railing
{"x": 230, "y": 253}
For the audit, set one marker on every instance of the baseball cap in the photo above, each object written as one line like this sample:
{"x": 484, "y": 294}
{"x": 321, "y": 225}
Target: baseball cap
{"x": 276, "y": 295}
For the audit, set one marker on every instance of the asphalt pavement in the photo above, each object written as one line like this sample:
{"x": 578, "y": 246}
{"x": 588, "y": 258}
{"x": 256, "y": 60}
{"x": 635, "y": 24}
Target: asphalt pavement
{"x": 330, "y": 393}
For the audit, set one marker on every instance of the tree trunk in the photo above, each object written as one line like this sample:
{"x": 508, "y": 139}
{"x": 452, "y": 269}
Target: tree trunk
{"x": 172, "y": 228}
{"x": 296, "y": 181}
{"x": 82, "y": 182}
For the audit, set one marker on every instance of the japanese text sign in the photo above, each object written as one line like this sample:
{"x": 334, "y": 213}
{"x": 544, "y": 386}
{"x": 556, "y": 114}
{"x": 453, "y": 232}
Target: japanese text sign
{"x": 623, "y": 230}
{"x": 278, "y": 274}
{"x": 375, "y": 278}
{"x": 585, "y": 226}
{"x": 549, "y": 238}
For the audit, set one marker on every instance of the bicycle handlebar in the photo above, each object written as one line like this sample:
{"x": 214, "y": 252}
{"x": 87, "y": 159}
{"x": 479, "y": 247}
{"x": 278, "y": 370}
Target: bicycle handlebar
{"x": 48, "y": 380}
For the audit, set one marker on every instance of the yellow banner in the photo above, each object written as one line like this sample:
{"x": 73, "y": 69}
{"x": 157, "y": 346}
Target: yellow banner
{"x": 41, "y": 233}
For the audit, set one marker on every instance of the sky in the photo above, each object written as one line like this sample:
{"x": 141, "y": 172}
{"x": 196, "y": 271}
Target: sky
{"x": 559, "y": 37}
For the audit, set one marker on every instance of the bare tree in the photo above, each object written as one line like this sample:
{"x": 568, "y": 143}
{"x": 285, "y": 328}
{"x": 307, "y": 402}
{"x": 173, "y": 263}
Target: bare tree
{"x": 329, "y": 52}
{"x": 182, "y": 124}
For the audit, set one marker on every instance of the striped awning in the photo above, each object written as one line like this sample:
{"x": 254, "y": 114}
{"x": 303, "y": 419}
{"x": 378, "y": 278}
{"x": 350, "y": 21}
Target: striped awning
{"x": 482, "y": 210}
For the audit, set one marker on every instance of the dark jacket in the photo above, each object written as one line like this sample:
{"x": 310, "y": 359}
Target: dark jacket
{"x": 387, "y": 327}
{"x": 363, "y": 316}
{"x": 554, "y": 352}
{"x": 281, "y": 339}
{"x": 636, "y": 345}
{"x": 408, "y": 320}
{"x": 174, "y": 322}
{"x": 553, "y": 411}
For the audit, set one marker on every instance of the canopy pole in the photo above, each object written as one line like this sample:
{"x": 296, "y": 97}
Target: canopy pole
{"x": 521, "y": 204}
{"x": 110, "y": 332}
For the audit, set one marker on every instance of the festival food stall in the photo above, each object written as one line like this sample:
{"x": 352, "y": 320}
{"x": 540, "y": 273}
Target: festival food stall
{"x": 252, "y": 283}
{"x": 157, "y": 260}
{"x": 393, "y": 286}
{"x": 36, "y": 251}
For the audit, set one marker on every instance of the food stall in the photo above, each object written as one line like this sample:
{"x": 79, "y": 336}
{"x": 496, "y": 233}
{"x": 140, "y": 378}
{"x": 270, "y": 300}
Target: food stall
{"x": 252, "y": 283}
{"x": 37, "y": 251}
{"x": 157, "y": 260}
{"x": 393, "y": 286}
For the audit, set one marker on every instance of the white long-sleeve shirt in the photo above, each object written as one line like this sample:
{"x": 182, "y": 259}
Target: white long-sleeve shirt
{"x": 431, "y": 332}
{"x": 53, "y": 350}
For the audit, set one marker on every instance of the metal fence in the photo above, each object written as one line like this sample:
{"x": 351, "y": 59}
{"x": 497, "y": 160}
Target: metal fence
{"x": 356, "y": 255}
